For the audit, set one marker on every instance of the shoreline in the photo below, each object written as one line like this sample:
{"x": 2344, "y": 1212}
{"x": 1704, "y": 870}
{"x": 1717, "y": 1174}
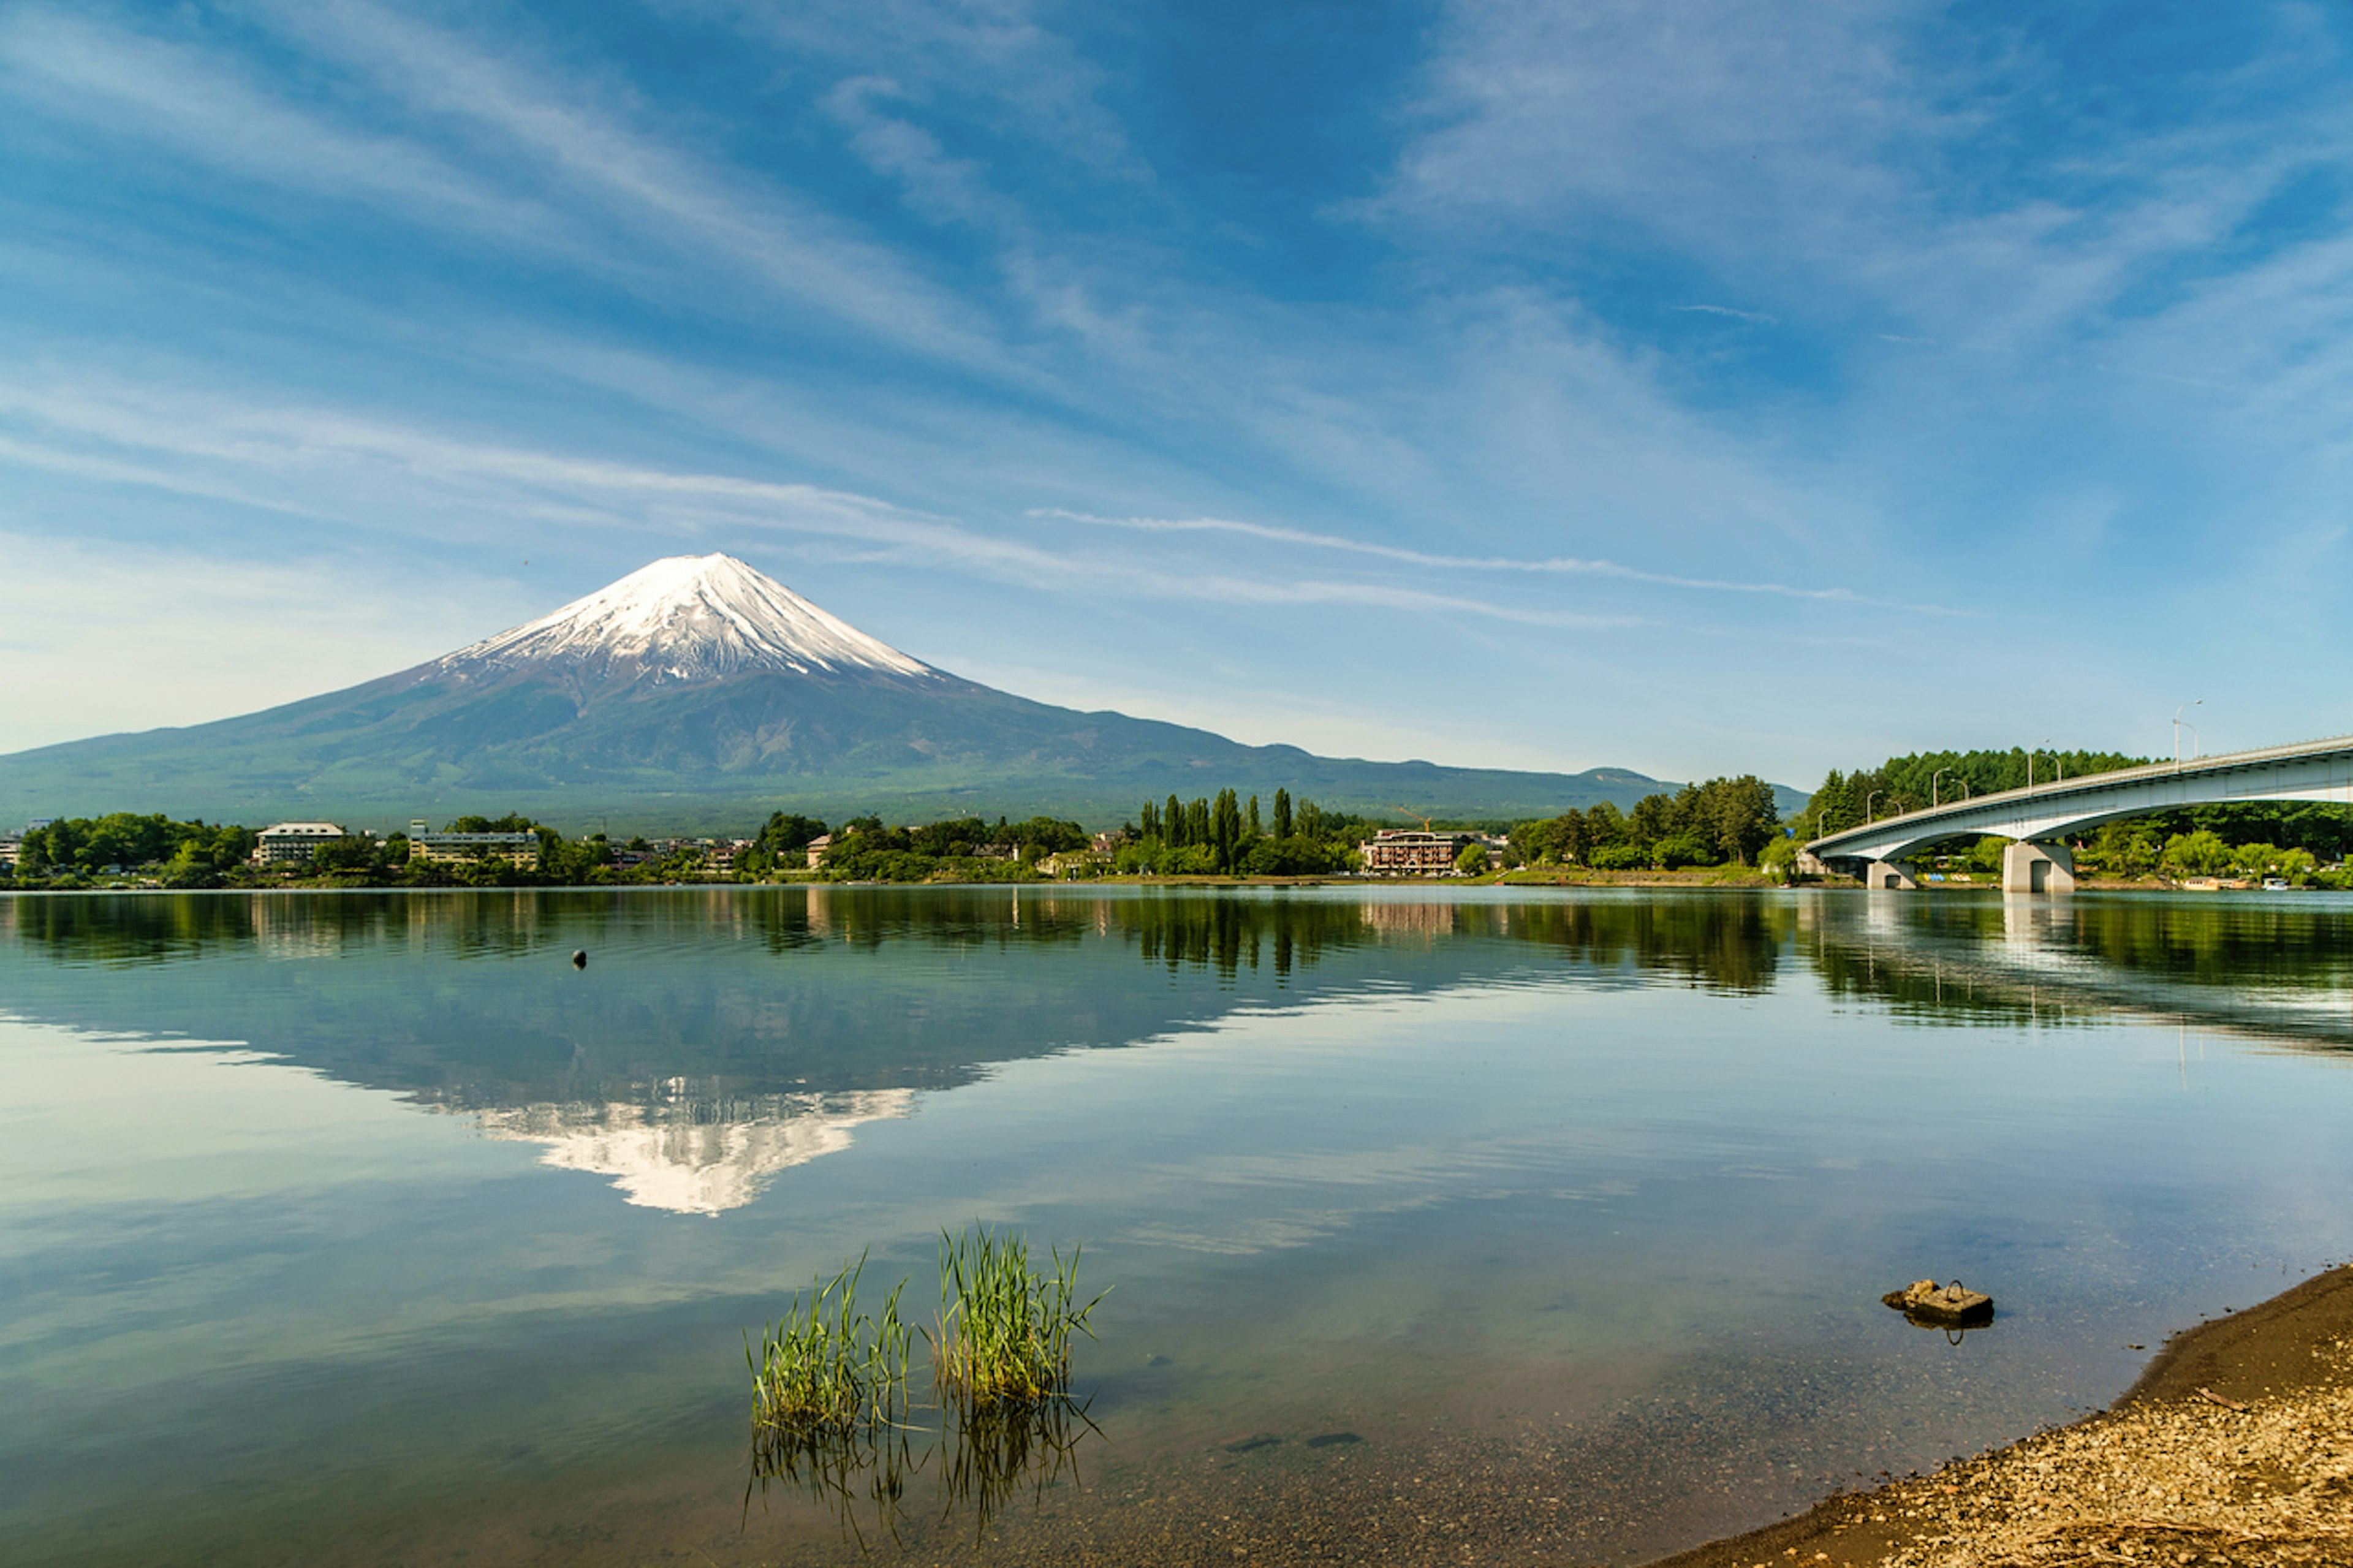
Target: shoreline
{"x": 2234, "y": 1446}
{"x": 1713, "y": 879}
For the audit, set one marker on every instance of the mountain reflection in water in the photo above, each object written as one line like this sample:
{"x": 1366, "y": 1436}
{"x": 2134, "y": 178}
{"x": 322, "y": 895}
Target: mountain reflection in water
{"x": 723, "y": 1035}
{"x": 694, "y": 1156}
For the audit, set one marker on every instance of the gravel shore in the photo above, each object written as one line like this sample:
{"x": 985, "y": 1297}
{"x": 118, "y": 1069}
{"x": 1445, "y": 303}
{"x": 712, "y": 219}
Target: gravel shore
{"x": 2236, "y": 1446}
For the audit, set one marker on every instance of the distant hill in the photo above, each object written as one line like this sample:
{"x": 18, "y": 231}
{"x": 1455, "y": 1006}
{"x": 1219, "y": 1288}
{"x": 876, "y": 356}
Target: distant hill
{"x": 698, "y": 694}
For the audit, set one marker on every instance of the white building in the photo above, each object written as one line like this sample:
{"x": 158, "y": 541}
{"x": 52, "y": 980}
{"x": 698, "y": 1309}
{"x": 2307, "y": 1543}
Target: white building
{"x": 514, "y": 849}
{"x": 292, "y": 843}
{"x": 1414, "y": 851}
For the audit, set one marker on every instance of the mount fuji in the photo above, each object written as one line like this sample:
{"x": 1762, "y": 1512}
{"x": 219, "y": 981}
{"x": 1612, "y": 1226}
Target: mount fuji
{"x": 696, "y": 694}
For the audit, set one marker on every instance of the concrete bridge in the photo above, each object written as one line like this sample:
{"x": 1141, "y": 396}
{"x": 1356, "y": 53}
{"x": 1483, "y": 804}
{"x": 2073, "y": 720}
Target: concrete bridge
{"x": 2038, "y": 818}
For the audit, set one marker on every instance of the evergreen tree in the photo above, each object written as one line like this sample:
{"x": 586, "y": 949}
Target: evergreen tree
{"x": 1651, "y": 820}
{"x": 1282, "y": 814}
{"x": 1251, "y": 829}
{"x": 1226, "y": 828}
{"x": 1175, "y": 820}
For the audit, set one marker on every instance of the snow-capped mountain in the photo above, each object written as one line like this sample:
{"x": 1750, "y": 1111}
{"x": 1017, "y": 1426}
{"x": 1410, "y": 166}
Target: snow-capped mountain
{"x": 688, "y": 618}
{"x": 697, "y": 694}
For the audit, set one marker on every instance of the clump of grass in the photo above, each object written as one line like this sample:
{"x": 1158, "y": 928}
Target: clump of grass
{"x": 1004, "y": 1328}
{"x": 826, "y": 1367}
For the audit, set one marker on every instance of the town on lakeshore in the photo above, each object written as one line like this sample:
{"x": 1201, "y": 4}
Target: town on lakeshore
{"x": 1725, "y": 832}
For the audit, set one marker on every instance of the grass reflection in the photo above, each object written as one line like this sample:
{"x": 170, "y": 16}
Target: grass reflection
{"x": 983, "y": 1459}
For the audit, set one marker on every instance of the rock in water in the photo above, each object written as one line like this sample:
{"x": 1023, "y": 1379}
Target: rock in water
{"x": 1944, "y": 1306}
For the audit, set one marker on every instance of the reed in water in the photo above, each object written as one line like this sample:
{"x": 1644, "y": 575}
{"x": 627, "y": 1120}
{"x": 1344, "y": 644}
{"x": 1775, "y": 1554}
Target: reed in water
{"x": 1005, "y": 1328}
{"x": 827, "y": 1367}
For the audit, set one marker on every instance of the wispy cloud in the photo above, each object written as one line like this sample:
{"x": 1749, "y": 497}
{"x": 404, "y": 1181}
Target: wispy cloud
{"x": 1756, "y": 317}
{"x": 1560, "y": 566}
{"x": 308, "y": 462}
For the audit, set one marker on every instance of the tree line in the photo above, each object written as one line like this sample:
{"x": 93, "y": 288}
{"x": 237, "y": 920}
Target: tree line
{"x": 73, "y": 852}
{"x": 1225, "y": 835}
{"x": 193, "y": 854}
{"x": 1925, "y": 779}
{"x": 1724, "y": 821}
{"x": 962, "y": 849}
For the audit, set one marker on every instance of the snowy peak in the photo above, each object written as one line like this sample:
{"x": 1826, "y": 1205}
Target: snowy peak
{"x": 692, "y": 618}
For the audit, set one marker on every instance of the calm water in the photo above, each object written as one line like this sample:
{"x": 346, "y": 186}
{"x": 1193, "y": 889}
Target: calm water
{"x": 363, "y": 1229}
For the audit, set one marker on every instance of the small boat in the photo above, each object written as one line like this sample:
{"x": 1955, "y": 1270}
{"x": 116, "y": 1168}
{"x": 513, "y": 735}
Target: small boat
{"x": 1931, "y": 1305}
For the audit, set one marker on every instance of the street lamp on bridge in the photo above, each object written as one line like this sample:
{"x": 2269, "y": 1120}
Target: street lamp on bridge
{"x": 1933, "y": 800}
{"x": 1874, "y": 794}
{"x": 2178, "y": 727}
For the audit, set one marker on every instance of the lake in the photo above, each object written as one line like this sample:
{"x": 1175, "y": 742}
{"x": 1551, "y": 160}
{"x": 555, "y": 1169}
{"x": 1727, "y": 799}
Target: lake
{"x": 1440, "y": 1225}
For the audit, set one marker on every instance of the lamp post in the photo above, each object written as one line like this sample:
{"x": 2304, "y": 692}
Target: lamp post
{"x": 1933, "y": 778}
{"x": 1874, "y": 794}
{"x": 2195, "y": 703}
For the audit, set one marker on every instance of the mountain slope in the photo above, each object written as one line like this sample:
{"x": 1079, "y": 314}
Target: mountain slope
{"x": 697, "y": 693}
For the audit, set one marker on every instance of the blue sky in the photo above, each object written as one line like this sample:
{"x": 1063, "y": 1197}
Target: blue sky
{"x": 1693, "y": 388}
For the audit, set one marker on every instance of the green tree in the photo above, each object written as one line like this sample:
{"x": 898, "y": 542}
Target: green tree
{"x": 1677, "y": 851}
{"x": 2254, "y": 859}
{"x": 1651, "y": 819}
{"x": 1740, "y": 816}
{"x": 1226, "y": 828}
{"x": 1472, "y": 860}
{"x": 1282, "y": 814}
{"x": 360, "y": 858}
{"x": 783, "y": 834}
{"x": 2199, "y": 854}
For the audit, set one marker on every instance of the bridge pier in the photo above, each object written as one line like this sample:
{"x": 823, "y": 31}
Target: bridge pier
{"x": 2030, "y": 867}
{"x": 1890, "y": 875}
